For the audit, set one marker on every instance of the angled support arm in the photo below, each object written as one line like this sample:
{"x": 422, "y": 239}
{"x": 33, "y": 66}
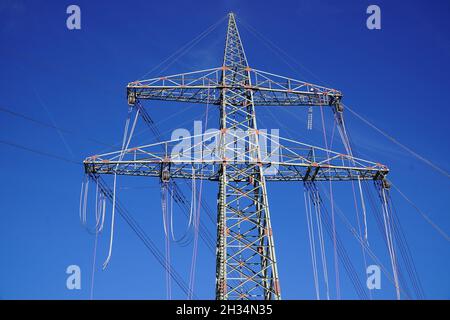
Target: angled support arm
{"x": 194, "y": 87}
{"x": 287, "y": 161}
{"x": 274, "y": 90}
{"x": 205, "y": 86}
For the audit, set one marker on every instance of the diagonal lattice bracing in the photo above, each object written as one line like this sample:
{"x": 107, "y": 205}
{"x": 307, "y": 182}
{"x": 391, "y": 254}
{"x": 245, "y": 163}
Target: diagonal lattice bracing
{"x": 238, "y": 158}
{"x": 288, "y": 160}
{"x": 206, "y": 87}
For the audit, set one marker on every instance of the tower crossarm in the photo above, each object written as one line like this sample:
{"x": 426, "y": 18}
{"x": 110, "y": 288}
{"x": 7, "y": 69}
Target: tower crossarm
{"x": 195, "y": 87}
{"x": 274, "y": 90}
{"x": 205, "y": 87}
{"x": 290, "y": 161}
{"x": 208, "y": 170}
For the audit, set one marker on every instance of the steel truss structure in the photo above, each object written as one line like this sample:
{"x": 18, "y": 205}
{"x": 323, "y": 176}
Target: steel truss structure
{"x": 246, "y": 265}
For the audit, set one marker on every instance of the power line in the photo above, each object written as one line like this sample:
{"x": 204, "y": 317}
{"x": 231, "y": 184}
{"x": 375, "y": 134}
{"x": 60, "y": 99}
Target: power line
{"x": 271, "y": 45}
{"x": 42, "y": 153}
{"x": 148, "y": 242}
{"x": 44, "y": 106}
{"x": 415, "y": 154}
{"x": 48, "y": 125}
{"x": 122, "y": 211}
{"x": 424, "y": 215}
{"x": 179, "y": 196}
{"x": 185, "y": 48}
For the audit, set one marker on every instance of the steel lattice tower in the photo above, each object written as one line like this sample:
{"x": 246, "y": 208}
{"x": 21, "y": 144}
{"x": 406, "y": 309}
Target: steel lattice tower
{"x": 246, "y": 266}
{"x": 245, "y": 248}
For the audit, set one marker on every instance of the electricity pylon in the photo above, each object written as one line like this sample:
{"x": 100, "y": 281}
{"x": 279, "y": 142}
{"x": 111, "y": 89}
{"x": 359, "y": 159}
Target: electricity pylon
{"x": 246, "y": 266}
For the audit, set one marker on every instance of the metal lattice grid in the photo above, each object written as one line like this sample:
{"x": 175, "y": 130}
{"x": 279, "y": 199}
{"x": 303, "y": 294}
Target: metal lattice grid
{"x": 246, "y": 266}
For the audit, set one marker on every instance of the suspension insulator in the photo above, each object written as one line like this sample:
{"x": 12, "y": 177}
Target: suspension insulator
{"x": 386, "y": 184}
{"x": 339, "y": 107}
{"x": 165, "y": 176}
{"x": 131, "y": 98}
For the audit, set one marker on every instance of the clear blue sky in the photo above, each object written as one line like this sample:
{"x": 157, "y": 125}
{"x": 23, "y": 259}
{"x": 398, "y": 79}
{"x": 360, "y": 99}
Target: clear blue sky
{"x": 397, "y": 77}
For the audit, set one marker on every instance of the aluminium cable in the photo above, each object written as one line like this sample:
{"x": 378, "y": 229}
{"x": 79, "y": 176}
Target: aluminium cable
{"x": 336, "y": 264}
{"x": 360, "y": 239}
{"x": 319, "y": 218}
{"x": 148, "y": 242}
{"x": 197, "y": 216}
{"x": 184, "y": 239}
{"x": 312, "y": 246}
{"x": 128, "y": 218}
{"x": 401, "y": 145}
{"x": 125, "y": 145}
{"x": 342, "y": 252}
{"x": 178, "y": 194}
{"x": 187, "y": 46}
{"x": 406, "y": 252}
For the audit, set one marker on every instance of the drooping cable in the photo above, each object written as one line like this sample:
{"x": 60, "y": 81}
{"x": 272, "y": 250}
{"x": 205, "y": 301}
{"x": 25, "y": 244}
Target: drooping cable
{"x": 184, "y": 239}
{"x": 386, "y": 218}
{"x": 113, "y": 215}
{"x": 390, "y": 241}
{"x": 126, "y": 142}
{"x": 385, "y": 224}
{"x": 402, "y": 246}
{"x": 165, "y": 203}
{"x": 148, "y": 242}
{"x": 378, "y": 214}
{"x": 197, "y": 216}
{"x": 83, "y": 195}
{"x": 195, "y": 228}
{"x": 312, "y": 246}
{"x": 360, "y": 239}
{"x": 101, "y": 213}
{"x": 363, "y": 205}
{"x": 342, "y": 252}
{"x": 93, "y": 267}
{"x": 405, "y": 252}
{"x": 336, "y": 265}
{"x": 99, "y": 219}
{"x": 123, "y": 212}
{"x": 99, "y": 208}
{"x": 178, "y": 195}
{"x": 345, "y": 138}
{"x": 358, "y": 221}
{"x": 391, "y": 229}
{"x": 319, "y": 219}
